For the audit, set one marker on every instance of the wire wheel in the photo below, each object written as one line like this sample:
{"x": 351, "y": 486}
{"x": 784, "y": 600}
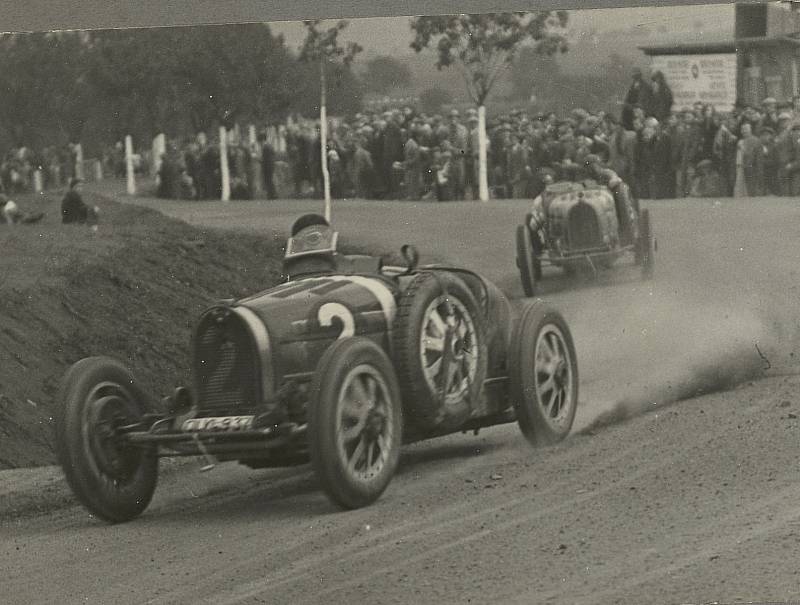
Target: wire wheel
{"x": 543, "y": 375}
{"x": 355, "y": 422}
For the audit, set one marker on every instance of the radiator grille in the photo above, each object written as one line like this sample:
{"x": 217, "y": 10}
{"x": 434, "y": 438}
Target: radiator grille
{"x": 584, "y": 228}
{"x": 226, "y": 367}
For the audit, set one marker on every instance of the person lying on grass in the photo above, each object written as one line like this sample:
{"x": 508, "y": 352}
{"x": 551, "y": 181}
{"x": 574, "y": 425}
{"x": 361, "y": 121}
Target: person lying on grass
{"x": 12, "y": 215}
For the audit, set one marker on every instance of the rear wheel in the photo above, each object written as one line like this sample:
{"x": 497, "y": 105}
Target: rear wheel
{"x": 355, "y": 422}
{"x": 440, "y": 349}
{"x": 530, "y": 268}
{"x": 113, "y": 479}
{"x": 543, "y": 375}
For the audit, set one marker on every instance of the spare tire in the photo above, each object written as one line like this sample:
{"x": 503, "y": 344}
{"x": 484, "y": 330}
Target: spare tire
{"x": 440, "y": 351}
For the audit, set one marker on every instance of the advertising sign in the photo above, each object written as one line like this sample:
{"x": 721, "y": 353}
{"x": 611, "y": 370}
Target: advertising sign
{"x": 709, "y": 79}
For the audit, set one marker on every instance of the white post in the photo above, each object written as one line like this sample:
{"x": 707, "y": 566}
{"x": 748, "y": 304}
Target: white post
{"x": 223, "y": 164}
{"x": 79, "y": 161}
{"x": 98, "y": 171}
{"x": 255, "y": 162}
{"x": 37, "y": 181}
{"x": 483, "y": 176}
{"x": 129, "y": 165}
{"x": 159, "y": 149}
{"x": 323, "y": 131}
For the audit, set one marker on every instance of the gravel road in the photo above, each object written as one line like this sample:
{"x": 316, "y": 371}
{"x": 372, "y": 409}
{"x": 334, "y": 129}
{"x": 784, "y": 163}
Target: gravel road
{"x": 684, "y": 503}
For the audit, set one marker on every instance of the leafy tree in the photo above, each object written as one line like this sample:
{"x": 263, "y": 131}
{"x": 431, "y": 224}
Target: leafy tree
{"x": 322, "y": 47}
{"x": 44, "y": 86}
{"x": 193, "y": 77}
{"x": 385, "y": 73}
{"x": 483, "y": 46}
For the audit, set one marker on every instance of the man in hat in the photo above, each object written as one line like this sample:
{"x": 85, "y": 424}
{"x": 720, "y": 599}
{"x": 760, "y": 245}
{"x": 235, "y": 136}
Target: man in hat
{"x": 640, "y": 93}
{"x": 707, "y": 181}
{"x": 769, "y": 113}
{"x": 472, "y": 164}
{"x": 459, "y": 142}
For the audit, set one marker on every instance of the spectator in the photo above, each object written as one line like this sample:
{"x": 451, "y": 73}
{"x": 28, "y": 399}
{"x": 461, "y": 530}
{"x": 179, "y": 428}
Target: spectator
{"x": 268, "y": 167}
{"x": 639, "y": 94}
{"x": 662, "y": 97}
{"x": 12, "y": 215}
{"x": 74, "y": 209}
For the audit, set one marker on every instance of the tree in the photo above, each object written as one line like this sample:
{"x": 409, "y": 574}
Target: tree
{"x": 323, "y": 47}
{"x": 192, "y": 78}
{"x": 532, "y": 74}
{"x": 385, "y": 73}
{"x": 44, "y": 86}
{"x": 483, "y": 46}
{"x": 432, "y": 99}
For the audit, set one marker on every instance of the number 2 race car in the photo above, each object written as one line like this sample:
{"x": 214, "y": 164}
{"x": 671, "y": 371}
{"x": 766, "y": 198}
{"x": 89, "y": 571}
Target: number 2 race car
{"x": 338, "y": 366}
{"x": 576, "y": 225}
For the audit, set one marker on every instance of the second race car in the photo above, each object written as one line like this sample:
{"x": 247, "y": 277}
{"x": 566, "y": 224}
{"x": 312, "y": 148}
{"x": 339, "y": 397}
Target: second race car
{"x": 583, "y": 224}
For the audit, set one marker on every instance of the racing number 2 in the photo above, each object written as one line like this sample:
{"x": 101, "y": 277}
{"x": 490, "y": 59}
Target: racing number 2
{"x": 330, "y": 310}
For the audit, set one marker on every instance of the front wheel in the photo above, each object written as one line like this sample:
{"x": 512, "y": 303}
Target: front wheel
{"x": 543, "y": 375}
{"x": 113, "y": 479}
{"x": 355, "y": 422}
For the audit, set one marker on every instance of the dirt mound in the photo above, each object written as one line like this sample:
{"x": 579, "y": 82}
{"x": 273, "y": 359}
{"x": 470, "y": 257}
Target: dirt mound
{"x": 130, "y": 290}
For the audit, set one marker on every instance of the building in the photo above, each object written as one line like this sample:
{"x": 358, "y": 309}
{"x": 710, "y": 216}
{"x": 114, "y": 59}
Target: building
{"x": 759, "y": 59}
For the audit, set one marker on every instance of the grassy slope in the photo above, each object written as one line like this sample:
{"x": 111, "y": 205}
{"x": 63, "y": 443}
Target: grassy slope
{"x": 131, "y": 290}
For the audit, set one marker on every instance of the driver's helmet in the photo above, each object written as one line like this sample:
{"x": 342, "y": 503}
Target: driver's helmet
{"x": 311, "y": 246}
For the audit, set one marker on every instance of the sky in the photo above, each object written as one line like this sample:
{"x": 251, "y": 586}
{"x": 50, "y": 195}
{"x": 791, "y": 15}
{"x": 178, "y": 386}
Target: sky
{"x": 391, "y": 35}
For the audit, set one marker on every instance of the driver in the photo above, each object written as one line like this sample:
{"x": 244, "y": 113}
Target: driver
{"x": 311, "y": 247}
{"x": 627, "y": 214}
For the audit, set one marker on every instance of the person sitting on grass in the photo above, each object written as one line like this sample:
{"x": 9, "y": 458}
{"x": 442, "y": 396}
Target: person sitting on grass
{"x": 12, "y": 215}
{"x": 74, "y": 209}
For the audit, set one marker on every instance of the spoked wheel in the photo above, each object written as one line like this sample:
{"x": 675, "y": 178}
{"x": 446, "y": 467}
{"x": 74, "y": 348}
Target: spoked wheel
{"x": 646, "y": 245}
{"x": 355, "y": 422}
{"x": 440, "y": 348}
{"x": 111, "y": 478}
{"x": 543, "y": 375}
{"x": 526, "y": 262}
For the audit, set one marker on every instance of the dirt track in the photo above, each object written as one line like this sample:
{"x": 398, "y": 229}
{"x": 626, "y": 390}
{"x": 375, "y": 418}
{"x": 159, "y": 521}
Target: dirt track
{"x": 689, "y": 503}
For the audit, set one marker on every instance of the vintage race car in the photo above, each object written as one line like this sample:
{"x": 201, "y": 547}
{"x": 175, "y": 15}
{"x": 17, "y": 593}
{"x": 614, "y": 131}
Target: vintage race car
{"x": 578, "y": 225}
{"x": 339, "y": 366}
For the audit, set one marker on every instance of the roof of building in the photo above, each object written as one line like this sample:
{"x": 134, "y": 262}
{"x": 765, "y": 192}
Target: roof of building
{"x": 718, "y": 46}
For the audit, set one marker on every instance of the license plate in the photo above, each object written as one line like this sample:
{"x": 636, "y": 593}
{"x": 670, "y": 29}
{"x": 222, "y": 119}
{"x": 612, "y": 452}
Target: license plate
{"x": 218, "y": 423}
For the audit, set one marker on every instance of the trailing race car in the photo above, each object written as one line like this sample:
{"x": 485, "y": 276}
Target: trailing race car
{"x": 339, "y": 365}
{"x": 582, "y": 224}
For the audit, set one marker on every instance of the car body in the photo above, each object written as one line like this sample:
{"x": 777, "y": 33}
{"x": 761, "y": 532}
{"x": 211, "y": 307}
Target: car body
{"x": 339, "y": 366}
{"x": 578, "y": 224}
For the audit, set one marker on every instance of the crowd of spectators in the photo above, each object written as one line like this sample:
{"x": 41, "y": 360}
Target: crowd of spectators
{"x": 56, "y": 165}
{"x": 662, "y": 151}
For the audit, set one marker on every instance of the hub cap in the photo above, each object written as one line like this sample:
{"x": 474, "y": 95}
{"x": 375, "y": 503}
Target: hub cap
{"x": 364, "y": 429}
{"x": 553, "y": 374}
{"x": 448, "y": 348}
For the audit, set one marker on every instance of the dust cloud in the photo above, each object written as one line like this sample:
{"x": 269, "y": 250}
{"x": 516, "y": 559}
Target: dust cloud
{"x": 655, "y": 350}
